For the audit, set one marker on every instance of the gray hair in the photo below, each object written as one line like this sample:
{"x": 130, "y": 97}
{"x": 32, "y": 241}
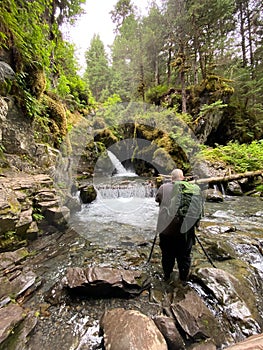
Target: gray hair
{"x": 177, "y": 174}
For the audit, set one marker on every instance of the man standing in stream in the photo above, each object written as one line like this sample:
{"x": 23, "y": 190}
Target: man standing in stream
{"x": 176, "y": 232}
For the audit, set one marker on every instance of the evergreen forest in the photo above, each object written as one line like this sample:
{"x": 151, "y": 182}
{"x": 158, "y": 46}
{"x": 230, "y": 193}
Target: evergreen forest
{"x": 200, "y": 61}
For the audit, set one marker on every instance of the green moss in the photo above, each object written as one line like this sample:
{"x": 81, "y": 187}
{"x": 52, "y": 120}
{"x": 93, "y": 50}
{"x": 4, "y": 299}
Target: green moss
{"x": 107, "y": 137}
{"x": 37, "y": 81}
{"x": 166, "y": 143}
{"x": 57, "y": 113}
{"x": 10, "y": 241}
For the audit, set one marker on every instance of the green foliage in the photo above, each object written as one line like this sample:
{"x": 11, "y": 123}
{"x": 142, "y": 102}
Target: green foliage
{"x": 154, "y": 93}
{"x": 259, "y": 188}
{"x": 29, "y": 34}
{"x": 213, "y": 107}
{"x": 32, "y": 30}
{"x": 241, "y": 157}
{"x": 63, "y": 86}
{"x": 38, "y": 217}
{"x": 97, "y": 71}
{"x": 111, "y": 110}
{"x": 31, "y": 105}
{"x": 112, "y": 100}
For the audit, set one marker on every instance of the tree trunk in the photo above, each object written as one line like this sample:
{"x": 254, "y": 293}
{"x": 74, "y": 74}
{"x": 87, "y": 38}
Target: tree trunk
{"x": 243, "y": 35}
{"x": 231, "y": 177}
{"x": 169, "y": 65}
{"x": 225, "y": 178}
{"x": 182, "y": 77}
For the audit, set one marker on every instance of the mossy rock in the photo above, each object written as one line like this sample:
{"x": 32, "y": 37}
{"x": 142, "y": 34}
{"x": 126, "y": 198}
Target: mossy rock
{"x": 149, "y": 133}
{"x": 37, "y": 82}
{"x": 88, "y": 194}
{"x": 107, "y": 137}
{"x": 216, "y": 85}
{"x": 53, "y": 121}
{"x": 166, "y": 143}
{"x": 99, "y": 123}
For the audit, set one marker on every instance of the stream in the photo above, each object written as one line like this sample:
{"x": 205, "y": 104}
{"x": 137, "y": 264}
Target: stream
{"x": 117, "y": 230}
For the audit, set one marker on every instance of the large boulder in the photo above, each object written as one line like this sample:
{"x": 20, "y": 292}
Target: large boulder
{"x": 168, "y": 328}
{"x": 230, "y": 294}
{"x": 130, "y": 330}
{"x": 105, "y": 282}
{"x": 213, "y": 195}
{"x": 25, "y": 200}
{"x": 88, "y": 194}
{"x": 196, "y": 320}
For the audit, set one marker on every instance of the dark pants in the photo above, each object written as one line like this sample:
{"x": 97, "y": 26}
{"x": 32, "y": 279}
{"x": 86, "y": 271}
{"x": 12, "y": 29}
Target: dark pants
{"x": 176, "y": 246}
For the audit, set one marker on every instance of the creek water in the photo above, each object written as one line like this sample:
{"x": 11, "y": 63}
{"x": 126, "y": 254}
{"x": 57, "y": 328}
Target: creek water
{"x": 121, "y": 213}
{"x": 117, "y": 230}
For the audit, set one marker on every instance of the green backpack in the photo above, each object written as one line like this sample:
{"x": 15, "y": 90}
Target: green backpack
{"x": 186, "y": 204}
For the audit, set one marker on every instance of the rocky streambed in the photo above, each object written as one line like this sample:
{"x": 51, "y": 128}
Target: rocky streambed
{"x": 60, "y": 289}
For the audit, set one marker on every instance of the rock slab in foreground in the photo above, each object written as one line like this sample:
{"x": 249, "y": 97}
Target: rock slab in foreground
{"x": 10, "y": 317}
{"x": 196, "y": 320}
{"x": 130, "y": 330}
{"x": 255, "y": 342}
{"x": 167, "y": 327}
{"x": 105, "y": 282}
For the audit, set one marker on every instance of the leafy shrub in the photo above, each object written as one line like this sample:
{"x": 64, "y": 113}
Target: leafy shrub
{"x": 242, "y": 157}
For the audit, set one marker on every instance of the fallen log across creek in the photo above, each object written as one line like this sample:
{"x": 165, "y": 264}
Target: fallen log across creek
{"x": 225, "y": 178}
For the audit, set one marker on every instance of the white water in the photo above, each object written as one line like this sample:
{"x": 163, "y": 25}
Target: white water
{"x": 120, "y": 170}
{"x": 133, "y": 211}
{"x": 118, "y": 213}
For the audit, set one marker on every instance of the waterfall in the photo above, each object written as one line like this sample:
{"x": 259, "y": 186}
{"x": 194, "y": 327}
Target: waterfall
{"x": 120, "y": 170}
{"x": 222, "y": 189}
{"x": 117, "y": 164}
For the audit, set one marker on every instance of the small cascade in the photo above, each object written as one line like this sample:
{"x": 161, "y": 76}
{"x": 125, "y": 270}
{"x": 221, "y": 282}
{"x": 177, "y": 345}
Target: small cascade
{"x": 138, "y": 190}
{"x": 120, "y": 170}
{"x": 222, "y": 189}
{"x": 215, "y": 188}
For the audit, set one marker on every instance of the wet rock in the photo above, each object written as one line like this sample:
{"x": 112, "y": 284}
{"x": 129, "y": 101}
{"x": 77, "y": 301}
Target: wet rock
{"x": 56, "y": 294}
{"x": 130, "y": 330}
{"x": 24, "y": 196}
{"x": 58, "y": 216}
{"x": 88, "y": 194}
{"x": 6, "y": 72}
{"x": 46, "y": 195}
{"x": 210, "y": 169}
{"x": 10, "y": 317}
{"x": 167, "y": 327}
{"x": 72, "y": 203}
{"x": 205, "y": 345}
{"x": 105, "y": 282}
{"x": 227, "y": 290}
{"x": 16, "y": 280}
{"x": 196, "y": 319}
{"x": 24, "y": 222}
{"x": 213, "y": 195}
{"x": 3, "y": 108}
{"x": 18, "y": 338}
{"x": 32, "y": 231}
{"x": 16, "y": 284}
{"x": 9, "y": 209}
{"x": 220, "y": 250}
{"x": 255, "y": 342}
{"x": 10, "y": 259}
{"x": 234, "y": 188}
